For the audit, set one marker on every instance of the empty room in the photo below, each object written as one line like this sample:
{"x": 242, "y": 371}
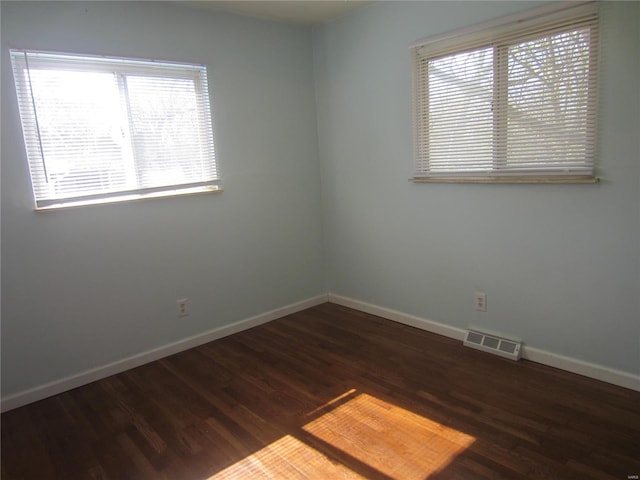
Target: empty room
{"x": 378, "y": 239}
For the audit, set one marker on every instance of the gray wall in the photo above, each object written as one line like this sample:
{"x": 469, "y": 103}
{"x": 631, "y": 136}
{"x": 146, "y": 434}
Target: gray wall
{"x": 88, "y": 286}
{"x": 92, "y": 285}
{"x": 559, "y": 264}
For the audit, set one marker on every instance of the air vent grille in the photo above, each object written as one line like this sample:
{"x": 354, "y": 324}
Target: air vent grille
{"x": 493, "y": 344}
{"x": 474, "y": 337}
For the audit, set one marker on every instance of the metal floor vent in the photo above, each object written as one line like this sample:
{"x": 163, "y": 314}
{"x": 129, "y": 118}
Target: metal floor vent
{"x": 490, "y": 343}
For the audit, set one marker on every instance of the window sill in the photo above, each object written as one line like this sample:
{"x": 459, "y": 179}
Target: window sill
{"x": 532, "y": 179}
{"x": 131, "y": 197}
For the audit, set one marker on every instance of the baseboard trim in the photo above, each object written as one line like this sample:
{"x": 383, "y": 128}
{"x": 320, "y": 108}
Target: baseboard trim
{"x": 396, "y": 316}
{"x": 58, "y": 386}
{"x": 591, "y": 370}
{"x": 580, "y": 367}
{"x": 573, "y": 365}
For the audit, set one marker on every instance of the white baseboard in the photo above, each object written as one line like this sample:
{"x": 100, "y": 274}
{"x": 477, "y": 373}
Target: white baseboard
{"x": 598, "y": 372}
{"x": 58, "y": 386}
{"x": 40, "y": 392}
{"x": 396, "y": 316}
{"x": 587, "y": 369}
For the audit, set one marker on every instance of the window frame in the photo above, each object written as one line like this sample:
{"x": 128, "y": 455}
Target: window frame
{"x": 500, "y": 35}
{"x": 121, "y": 68}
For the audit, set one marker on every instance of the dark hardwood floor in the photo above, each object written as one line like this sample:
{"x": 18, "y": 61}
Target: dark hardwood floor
{"x": 329, "y": 393}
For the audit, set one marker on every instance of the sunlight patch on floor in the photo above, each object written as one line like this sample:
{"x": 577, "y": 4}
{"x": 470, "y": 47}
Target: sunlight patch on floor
{"x": 287, "y": 458}
{"x": 390, "y": 439}
{"x": 373, "y": 435}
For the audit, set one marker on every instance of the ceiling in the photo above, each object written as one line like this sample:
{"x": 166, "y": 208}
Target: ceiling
{"x": 304, "y": 12}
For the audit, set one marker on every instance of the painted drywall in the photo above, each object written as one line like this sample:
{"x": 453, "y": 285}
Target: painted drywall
{"x": 559, "y": 263}
{"x": 88, "y": 286}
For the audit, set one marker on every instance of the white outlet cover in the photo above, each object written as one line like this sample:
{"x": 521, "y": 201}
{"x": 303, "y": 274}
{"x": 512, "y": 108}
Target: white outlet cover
{"x": 183, "y": 307}
{"x": 481, "y": 301}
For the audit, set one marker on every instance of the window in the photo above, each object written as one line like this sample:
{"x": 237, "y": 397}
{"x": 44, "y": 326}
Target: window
{"x": 100, "y": 129}
{"x": 513, "y": 101}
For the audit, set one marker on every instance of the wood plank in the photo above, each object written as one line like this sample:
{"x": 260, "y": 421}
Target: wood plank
{"x": 329, "y": 392}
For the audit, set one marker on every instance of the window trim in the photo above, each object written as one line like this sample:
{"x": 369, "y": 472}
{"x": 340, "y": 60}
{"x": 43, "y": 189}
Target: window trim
{"x": 131, "y": 196}
{"x": 506, "y": 179}
{"x": 493, "y": 34}
{"x": 121, "y": 67}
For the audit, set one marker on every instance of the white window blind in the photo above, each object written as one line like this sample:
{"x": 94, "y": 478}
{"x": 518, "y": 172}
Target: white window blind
{"x": 513, "y": 98}
{"x": 99, "y": 128}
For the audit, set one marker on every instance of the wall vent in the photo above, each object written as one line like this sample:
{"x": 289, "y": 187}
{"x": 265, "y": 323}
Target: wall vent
{"x": 490, "y": 343}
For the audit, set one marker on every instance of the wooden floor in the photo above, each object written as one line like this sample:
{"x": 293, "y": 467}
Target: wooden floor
{"x": 324, "y": 394}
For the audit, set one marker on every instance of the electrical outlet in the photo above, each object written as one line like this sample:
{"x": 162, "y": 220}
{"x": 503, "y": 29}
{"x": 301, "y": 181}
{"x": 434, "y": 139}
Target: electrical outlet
{"x": 481, "y": 301}
{"x": 183, "y": 307}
